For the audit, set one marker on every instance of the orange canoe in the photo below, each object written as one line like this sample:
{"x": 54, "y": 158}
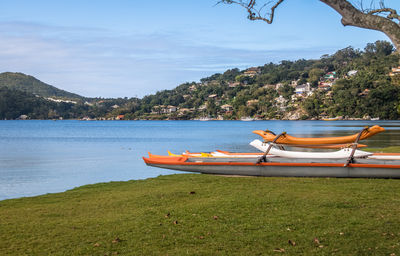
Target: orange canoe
{"x": 291, "y": 140}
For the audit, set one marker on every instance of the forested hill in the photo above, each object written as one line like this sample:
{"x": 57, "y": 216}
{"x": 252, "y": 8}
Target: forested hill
{"x": 29, "y": 84}
{"x": 351, "y": 84}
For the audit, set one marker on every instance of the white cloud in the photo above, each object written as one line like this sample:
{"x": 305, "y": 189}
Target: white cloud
{"x": 98, "y": 62}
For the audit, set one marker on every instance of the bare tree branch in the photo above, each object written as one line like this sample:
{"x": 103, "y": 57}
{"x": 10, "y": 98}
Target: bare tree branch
{"x": 256, "y": 13}
{"x": 392, "y": 14}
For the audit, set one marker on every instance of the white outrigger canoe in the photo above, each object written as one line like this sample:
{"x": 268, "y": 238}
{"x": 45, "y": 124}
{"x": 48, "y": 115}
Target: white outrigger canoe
{"x": 346, "y": 162}
{"x": 339, "y": 154}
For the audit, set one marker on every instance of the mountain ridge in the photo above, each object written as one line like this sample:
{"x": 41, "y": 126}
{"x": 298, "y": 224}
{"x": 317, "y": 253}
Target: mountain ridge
{"x": 29, "y": 84}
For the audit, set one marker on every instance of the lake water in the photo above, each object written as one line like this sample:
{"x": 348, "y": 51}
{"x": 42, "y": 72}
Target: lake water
{"x": 38, "y": 157}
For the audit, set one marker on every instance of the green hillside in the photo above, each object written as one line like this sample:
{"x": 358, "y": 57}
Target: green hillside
{"x": 29, "y": 84}
{"x": 349, "y": 84}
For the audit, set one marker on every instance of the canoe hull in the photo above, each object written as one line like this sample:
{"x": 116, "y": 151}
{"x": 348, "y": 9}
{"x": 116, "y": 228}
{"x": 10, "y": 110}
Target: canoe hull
{"x": 285, "y": 169}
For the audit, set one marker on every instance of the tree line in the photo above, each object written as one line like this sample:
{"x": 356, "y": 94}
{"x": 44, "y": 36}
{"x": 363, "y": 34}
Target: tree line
{"x": 268, "y": 92}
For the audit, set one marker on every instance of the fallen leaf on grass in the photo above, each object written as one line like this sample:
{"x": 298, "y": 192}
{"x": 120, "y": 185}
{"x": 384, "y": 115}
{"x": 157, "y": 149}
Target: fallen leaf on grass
{"x": 116, "y": 240}
{"x": 192, "y": 192}
{"x": 96, "y": 245}
{"x": 215, "y": 217}
{"x": 293, "y": 243}
{"x": 175, "y": 222}
{"x": 279, "y": 250}
{"x": 167, "y": 215}
{"x": 316, "y": 241}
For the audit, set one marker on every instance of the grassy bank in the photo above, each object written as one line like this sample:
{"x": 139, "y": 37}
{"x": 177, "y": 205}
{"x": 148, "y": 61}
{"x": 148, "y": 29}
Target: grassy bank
{"x": 208, "y": 215}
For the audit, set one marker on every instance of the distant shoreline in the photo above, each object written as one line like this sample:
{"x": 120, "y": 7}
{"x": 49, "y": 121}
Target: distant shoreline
{"x": 347, "y": 119}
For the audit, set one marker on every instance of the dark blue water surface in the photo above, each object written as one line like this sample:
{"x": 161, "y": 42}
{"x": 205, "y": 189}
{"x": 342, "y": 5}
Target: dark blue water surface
{"x": 38, "y": 157}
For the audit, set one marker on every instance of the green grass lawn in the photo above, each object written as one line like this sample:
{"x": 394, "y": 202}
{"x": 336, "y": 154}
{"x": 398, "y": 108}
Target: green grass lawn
{"x": 393, "y": 149}
{"x": 191, "y": 214}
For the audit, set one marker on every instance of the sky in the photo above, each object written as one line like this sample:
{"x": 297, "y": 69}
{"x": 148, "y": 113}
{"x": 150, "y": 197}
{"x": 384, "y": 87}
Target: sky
{"x": 131, "y": 48}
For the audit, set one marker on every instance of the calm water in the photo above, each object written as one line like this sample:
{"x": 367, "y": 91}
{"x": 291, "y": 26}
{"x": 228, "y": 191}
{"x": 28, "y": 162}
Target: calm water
{"x": 38, "y": 157}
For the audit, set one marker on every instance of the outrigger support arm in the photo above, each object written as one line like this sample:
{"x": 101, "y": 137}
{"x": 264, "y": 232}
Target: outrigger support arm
{"x": 354, "y": 147}
{"x": 263, "y": 158}
{"x": 279, "y": 145}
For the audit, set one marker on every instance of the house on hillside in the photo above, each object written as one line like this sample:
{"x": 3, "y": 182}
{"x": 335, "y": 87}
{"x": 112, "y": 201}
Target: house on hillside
{"x": 226, "y": 107}
{"x": 252, "y": 71}
{"x": 303, "y": 89}
{"x": 183, "y": 111}
{"x": 395, "y": 71}
{"x": 161, "y": 109}
{"x": 60, "y": 100}
{"x": 251, "y": 102}
{"x": 233, "y": 84}
{"x": 281, "y": 102}
{"x": 325, "y": 85}
{"x": 330, "y": 75}
{"x": 272, "y": 86}
{"x": 157, "y": 109}
{"x": 352, "y": 73}
{"x": 171, "y": 109}
{"x": 202, "y": 107}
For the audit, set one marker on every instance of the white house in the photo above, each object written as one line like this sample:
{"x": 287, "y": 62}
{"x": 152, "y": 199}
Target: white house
{"x": 304, "y": 89}
{"x": 171, "y": 109}
{"x": 352, "y": 72}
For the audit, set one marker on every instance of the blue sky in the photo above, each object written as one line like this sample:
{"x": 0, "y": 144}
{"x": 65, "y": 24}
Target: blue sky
{"x": 127, "y": 48}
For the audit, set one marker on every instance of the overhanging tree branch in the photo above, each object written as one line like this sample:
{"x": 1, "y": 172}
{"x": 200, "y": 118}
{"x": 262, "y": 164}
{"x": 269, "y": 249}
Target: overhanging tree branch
{"x": 352, "y": 16}
{"x": 383, "y": 19}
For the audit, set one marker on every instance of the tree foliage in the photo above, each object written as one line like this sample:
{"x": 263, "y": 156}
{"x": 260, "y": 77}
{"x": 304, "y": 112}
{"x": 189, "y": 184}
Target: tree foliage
{"x": 370, "y": 92}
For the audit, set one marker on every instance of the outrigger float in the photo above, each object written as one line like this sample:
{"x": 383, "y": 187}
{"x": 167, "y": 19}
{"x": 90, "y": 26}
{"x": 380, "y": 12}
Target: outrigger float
{"x": 346, "y": 161}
